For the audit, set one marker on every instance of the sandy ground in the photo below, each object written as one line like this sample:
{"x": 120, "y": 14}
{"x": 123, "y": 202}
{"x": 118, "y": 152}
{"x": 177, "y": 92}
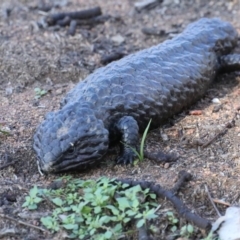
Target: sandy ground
{"x": 32, "y": 57}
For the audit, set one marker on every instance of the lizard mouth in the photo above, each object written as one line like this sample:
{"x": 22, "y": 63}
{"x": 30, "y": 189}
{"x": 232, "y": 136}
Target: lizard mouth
{"x": 65, "y": 164}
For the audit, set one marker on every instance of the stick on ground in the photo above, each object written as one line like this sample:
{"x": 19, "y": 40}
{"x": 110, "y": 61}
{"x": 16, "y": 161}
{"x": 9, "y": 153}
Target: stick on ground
{"x": 182, "y": 210}
{"x": 78, "y": 15}
{"x": 7, "y": 164}
{"x": 72, "y": 28}
{"x": 228, "y": 125}
{"x": 111, "y": 57}
{"x": 22, "y": 223}
{"x": 212, "y": 202}
{"x": 160, "y": 157}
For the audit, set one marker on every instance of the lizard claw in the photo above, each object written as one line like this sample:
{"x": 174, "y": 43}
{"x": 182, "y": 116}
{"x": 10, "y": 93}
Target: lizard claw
{"x": 127, "y": 157}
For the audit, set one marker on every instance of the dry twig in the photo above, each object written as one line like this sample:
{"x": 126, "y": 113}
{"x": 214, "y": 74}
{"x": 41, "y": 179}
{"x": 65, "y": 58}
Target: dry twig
{"x": 23, "y": 223}
{"x": 7, "y": 164}
{"x": 160, "y": 157}
{"x": 212, "y": 202}
{"x": 146, "y": 4}
{"x": 112, "y": 57}
{"x": 221, "y": 202}
{"x": 228, "y": 125}
{"x": 83, "y": 14}
{"x": 171, "y": 196}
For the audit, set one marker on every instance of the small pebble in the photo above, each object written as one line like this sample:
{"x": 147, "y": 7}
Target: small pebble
{"x": 59, "y": 91}
{"x": 216, "y": 100}
{"x": 9, "y": 91}
{"x": 217, "y": 108}
{"x": 166, "y": 165}
{"x": 118, "y": 39}
{"x": 164, "y": 136}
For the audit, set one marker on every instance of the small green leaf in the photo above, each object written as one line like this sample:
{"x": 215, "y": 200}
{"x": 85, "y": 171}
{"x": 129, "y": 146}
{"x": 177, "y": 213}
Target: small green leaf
{"x": 135, "y": 203}
{"x": 174, "y": 228}
{"x": 37, "y": 90}
{"x": 86, "y": 210}
{"x": 139, "y": 215}
{"x": 150, "y": 214}
{"x": 57, "y": 201}
{"x": 114, "y": 219}
{"x": 97, "y": 210}
{"x": 125, "y": 185}
{"x": 92, "y": 231}
{"x": 140, "y": 223}
{"x": 105, "y": 219}
{"x": 70, "y": 226}
{"x": 37, "y": 199}
{"x": 33, "y": 192}
{"x": 118, "y": 228}
{"x": 4, "y": 132}
{"x": 89, "y": 196}
{"x": 123, "y": 203}
{"x": 190, "y": 228}
{"x": 126, "y": 220}
{"x": 169, "y": 214}
{"x": 175, "y": 220}
{"x": 25, "y": 204}
{"x": 27, "y": 201}
{"x": 32, "y": 206}
{"x": 131, "y": 213}
{"x": 114, "y": 210}
{"x": 47, "y": 221}
{"x": 152, "y": 196}
{"x": 50, "y": 223}
{"x": 108, "y": 235}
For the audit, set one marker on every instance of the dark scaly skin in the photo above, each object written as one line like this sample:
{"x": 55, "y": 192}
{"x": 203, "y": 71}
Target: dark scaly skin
{"x": 117, "y": 101}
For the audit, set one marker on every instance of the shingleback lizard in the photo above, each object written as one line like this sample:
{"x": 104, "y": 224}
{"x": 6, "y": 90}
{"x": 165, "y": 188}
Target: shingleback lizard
{"x": 117, "y": 101}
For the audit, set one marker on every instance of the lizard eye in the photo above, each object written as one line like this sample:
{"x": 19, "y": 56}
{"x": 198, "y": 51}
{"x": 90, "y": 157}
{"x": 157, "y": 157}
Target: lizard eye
{"x": 71, "y": 150}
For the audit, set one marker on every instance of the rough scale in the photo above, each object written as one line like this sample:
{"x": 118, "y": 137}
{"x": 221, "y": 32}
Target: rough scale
{"x": 117, "y": 101}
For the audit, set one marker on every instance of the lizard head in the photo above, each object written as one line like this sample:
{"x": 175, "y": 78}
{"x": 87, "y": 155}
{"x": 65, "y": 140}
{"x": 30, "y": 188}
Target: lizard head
{"x": 213, "y": 31}
{"x": 70, "y": 139}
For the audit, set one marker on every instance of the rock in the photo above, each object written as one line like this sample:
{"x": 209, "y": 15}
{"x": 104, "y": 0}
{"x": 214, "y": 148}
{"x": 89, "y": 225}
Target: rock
{"x": 164, "y": 136}
{"x": 217, "y": 108}
{"x": 216, "y": 100}
{"x": 166, "y": 165}
{"x": 119, "y": 39}
{"x": 59, "y": 91}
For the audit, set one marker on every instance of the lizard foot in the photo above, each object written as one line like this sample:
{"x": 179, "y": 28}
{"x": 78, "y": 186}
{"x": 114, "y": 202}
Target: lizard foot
{"x": 127, "y": 157}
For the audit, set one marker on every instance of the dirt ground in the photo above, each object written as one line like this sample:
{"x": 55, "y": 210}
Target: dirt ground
{"x": 31, "y": 56}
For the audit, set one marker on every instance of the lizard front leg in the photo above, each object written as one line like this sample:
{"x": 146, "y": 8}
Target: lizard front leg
{"x": 128, "y": 128}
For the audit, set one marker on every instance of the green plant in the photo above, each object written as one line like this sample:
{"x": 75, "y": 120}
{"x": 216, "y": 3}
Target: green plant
{"x": 32, "y": 200}
{"x": 4, "y": 132}
{"x": 187, "y": 230}
{"x": 171, "y": 218}
{"x": 140, "y": 154}
{"x": 173, "y": 221}
{"x": 39, "y": 92}
{"x": 102, "y": 209}
{"x": 211, "y": 236}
